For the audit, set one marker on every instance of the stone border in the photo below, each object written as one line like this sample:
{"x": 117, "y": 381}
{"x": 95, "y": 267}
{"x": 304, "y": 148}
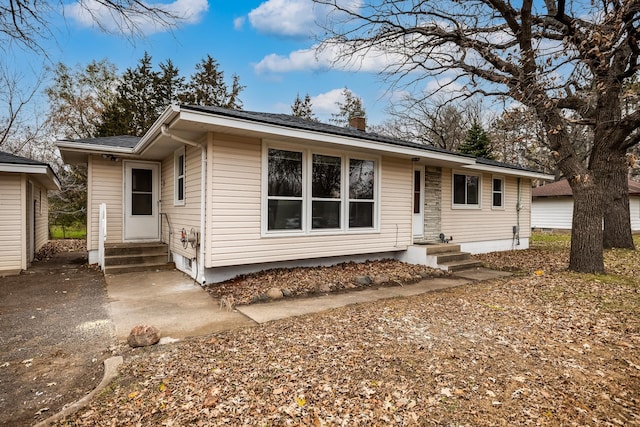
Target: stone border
{"x": 111, "y": 366}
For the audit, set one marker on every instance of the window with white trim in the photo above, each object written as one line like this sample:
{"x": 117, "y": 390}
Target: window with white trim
{"x": 497, "y": 193}
{"x": 466, "y": 190}
{"x": 284, "y": 190}
{"x": 311, "y": 191}
{"x": 179, "y": 167}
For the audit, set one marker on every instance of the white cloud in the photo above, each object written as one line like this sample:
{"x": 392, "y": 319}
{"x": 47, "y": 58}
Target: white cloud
{"x": 238, "y": 23}
{"x": 93, "y": 13}
{"x": 293, "y": 18}
{"x": 372, "y": 61}
{"x": 285, "y": 17}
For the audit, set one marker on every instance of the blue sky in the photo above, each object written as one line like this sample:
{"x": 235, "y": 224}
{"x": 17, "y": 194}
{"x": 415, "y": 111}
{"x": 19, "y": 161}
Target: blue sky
{"x": 269, "y": 44}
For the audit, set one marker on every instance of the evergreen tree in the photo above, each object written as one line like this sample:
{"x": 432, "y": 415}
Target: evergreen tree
{"x": 352, "y": 106}
{"x": 477, "y": 143}
{"x": 303, "y": 108}
{"x": 208, "y": 87}
{"x": 170, "y": 86}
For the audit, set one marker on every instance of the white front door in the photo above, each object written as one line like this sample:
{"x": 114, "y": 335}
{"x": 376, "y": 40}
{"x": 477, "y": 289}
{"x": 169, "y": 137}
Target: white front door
{"x": 418, "y": 202}
{"x": 141, "y": 190}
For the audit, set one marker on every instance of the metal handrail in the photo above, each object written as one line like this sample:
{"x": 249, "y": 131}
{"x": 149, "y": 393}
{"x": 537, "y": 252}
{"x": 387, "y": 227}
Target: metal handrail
{"x": 170, "y": 229}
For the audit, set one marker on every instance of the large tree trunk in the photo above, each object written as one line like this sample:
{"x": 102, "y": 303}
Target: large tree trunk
{"x": 586, "y": 237}
{"x": 617, "y": 220}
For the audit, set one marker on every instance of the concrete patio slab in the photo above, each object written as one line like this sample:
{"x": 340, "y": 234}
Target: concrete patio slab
{"x": 267, "y": 312}
{"x": 168, "y": 300}
{"x": 478, "y": 274}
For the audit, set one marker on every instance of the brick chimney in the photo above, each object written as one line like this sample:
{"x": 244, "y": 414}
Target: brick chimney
{"x": 358, "y": 121}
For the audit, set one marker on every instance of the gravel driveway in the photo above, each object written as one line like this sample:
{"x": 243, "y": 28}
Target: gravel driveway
{"x": 55, "y": 333}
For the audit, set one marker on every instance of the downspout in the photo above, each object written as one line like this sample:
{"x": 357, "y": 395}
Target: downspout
{"x": 516, "y": 233}
{"x": 203, "y": 205}
{"x": 164, "y": 129}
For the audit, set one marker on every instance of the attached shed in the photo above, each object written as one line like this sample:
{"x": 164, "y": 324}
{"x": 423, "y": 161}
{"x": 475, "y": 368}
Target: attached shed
{"x": 552, "y": 206}
{"x": 24, "y": 210}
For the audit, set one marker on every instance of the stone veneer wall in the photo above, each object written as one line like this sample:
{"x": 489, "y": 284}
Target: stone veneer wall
{"x": 432, "y": 203}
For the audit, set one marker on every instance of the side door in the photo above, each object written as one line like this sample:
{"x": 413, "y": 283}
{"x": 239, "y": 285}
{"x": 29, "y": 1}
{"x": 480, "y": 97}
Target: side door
{"x": 141, "y": 196}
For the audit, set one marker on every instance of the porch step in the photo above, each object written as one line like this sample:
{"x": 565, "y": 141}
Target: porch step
{"x": 134, "y": 257}
{"x": 465, "y": 264}
{"x": 448, "y": 257}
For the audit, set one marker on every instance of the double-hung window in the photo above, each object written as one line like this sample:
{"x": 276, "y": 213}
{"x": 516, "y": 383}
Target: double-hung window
{"x": 284, "y": 190}
{"x": 497, "y": 193}
{"x": 179, "y": 173}
{"x": 361, "y": 193}
{"x": 309, "y": 191}
{"x": 466, "y": 190}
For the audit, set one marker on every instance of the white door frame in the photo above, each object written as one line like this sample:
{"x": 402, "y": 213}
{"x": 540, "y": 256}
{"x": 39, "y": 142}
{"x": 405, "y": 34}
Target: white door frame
{"x": 140, "y": 227}
{"x": 418, "y": 217}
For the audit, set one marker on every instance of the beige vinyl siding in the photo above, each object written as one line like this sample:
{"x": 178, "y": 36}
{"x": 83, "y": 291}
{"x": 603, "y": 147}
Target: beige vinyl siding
{"x": 12, "y": 227}
{"x": 235, "y": 212}
{"x": 486, "y": 223}
{"x": 105, "y": 177}
{"x": 185, "y": 216}
{"x": 41, "y": 216}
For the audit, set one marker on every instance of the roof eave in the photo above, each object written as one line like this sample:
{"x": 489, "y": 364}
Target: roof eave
{"x": 505, "y": 170}
{"x": 271, "y": 130}
{"x": 43, "y": 173}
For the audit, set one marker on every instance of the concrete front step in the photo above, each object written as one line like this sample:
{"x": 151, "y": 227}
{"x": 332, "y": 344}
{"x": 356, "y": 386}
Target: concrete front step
{"x": 118, "y": 260}
{"x": 461, "y": 265}
{"x": 132, "y": 268}
{"x": 132, "y": 257}
{"x": 135, "y": 249}
{"x": 451, "y": 256}
{"x": 441, "y": 248}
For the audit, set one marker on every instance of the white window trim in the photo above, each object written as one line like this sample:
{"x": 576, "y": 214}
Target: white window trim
{"x": 176, "y": 158}
{"x": 503, "y": 192}
{"x": 307, "y": 164}
{"x": 465, "y": 205}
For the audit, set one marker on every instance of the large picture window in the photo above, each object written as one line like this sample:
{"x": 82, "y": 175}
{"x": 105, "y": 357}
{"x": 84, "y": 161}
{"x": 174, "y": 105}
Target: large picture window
{"x": 309, "y": 192}
{"x": 466, "y": 190}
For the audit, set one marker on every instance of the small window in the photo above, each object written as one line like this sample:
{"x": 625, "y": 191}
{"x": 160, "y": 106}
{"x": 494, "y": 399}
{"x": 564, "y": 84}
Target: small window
{"x": 466, "y": 190}
{"x": 179, "y": 171}
{"x": 498, "y": 192}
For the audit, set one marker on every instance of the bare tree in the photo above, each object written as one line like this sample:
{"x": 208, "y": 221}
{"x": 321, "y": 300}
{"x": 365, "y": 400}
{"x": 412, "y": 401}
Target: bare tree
{"x": 21, "y": 128}
{"x": 566, "y": 60}
{"x": 27, "y": 22}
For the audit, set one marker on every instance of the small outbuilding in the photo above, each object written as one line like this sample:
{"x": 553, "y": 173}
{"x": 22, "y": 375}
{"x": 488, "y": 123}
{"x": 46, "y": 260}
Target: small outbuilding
{"x": 24, "y": 210}
{"x": 552, "y": 206}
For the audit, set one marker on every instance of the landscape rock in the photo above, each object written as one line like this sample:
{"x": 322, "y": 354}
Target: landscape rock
{"x": 275, "y": 293}
{"x": 363, "y": 280}
{"x": 323, "y": 287}
{"x": 287, "y": 292}
{"x": 143, "y": 336}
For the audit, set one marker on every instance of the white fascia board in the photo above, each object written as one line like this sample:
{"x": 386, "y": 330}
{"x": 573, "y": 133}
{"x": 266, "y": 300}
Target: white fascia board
{"x": 509, "y": 171}
{"x": 31, "y": 169}
{"x": 271, "y": 130}
{"x": 85, "y": 148}
{"x": 42, "y": 173}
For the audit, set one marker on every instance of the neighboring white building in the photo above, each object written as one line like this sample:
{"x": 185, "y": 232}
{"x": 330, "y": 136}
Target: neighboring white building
{"x": 259, "y": 190}
{"x": 552, "y": 206}
{"x": 24, "y": 210}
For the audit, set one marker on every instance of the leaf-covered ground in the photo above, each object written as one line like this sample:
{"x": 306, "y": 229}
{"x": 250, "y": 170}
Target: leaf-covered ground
{"x": 548, "y": 348}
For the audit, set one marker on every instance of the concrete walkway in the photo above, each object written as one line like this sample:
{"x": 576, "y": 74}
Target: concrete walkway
{"x": 168, "y": 300}
{"x": 172, "y": 302}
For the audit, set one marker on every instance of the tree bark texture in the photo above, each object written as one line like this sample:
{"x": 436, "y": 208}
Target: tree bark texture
{"x": 586, "y": 237}
{"x": 617, "y": 219}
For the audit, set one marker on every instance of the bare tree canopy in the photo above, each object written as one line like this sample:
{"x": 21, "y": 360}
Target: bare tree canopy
{"x": 27, "y": 23}
{"x": 565, "y": 60}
